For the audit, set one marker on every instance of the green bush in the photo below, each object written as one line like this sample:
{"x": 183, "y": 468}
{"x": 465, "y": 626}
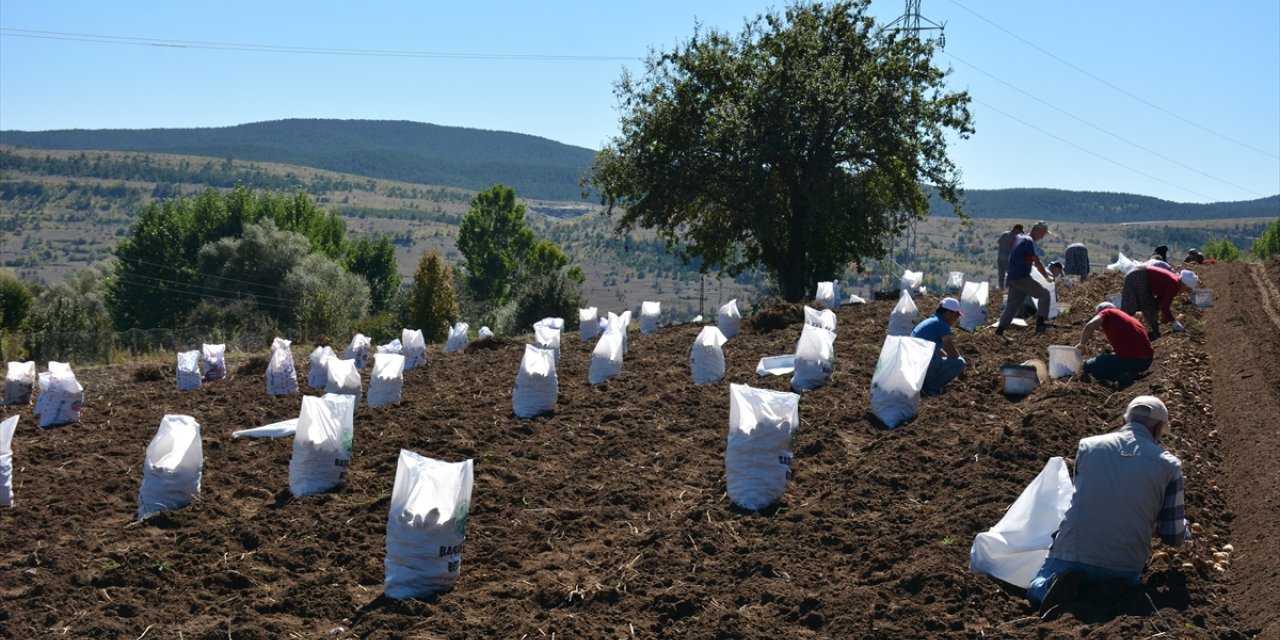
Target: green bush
{"x": 1222, "y": 250}
{"x": 1268, "y": 244}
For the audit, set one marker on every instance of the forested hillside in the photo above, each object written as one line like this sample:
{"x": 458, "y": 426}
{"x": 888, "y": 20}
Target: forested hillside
{"x": 1096, "y": 206}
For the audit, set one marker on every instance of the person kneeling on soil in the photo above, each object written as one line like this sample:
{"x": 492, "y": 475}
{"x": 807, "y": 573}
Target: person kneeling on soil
{"x": 937, "y": 329}
{"x": 1125, "y": 486}
{"x": 1129, "y": 342}
{"x": 1151, "y": 290}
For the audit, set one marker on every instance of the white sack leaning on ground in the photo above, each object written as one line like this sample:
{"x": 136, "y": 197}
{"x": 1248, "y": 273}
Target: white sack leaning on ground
{"x": 172, "y": 468}
{"x": 322, "y": 443}
{"x": 825, "y": 319}
{"x": 61, "y": 396}
{"x": 386, "y": 381}
{"x": 729, "y": 319}
{"x": 1053, "y": 293}
{"x": 213, "y": 361}
{"x": 484, "y": 332}
{"x": 815, "y": 358}
{"x": 903, "y": 317}
{"x": 899, "y": 376}
{"x": 973, "y": 304}
{"x": 827, "y": 295}
{"x": 536, "y": 383}
{"x": 707, "y": 357}
{"x": 426, "y": 526}
{"x": 547, "y": 336}
{"x": 649, "y": 312}
{"x": 6, "y": 460}
{"x": 1123, "y": 264}
{"x": 415, "y": 348}
{"x": 19, "y": 381}
{"x": 588, "y": 328}
{"x": 1014, "y": 549}
{"x": 282, "y": 376}
{"x": 358, "y": 350}
{"x": 606, "y": 358}
{"x": 318, "y": 374}
{"x": 458, "y": 338}
{"x": 757, "y": 459}
{"x": 344, "y": 378}
{"x": 188, "y": 372}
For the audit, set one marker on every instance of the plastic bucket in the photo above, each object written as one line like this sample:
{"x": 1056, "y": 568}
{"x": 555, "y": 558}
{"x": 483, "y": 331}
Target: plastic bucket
{"x": 1064, "y": 361}
{"x": 1202, "y": 298}
{"x": 1018, "y": 379}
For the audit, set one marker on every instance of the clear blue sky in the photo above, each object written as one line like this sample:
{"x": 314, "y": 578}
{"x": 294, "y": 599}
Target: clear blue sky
{"x": 1178, "y": 100}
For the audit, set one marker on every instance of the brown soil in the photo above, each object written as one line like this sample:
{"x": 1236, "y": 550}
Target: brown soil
{"x": 610, "y": 517}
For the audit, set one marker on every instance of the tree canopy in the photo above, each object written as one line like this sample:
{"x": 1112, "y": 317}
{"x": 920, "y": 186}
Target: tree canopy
{"x": 803, "y": 143}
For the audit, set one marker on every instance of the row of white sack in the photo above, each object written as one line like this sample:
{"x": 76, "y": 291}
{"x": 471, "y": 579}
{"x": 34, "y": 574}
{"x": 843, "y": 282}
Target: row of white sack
{"x": 60, "y": 393}
{"x": 410, "y": 344}
{"x": 973, "y": 304}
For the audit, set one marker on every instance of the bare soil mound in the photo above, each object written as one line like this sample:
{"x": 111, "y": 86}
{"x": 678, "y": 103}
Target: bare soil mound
{"x": 610, "y": 518}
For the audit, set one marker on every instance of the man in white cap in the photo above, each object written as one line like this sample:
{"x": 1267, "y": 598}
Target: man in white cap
{"x": 1131, "y": 348}
{"x": 947, "y": 362}
{"x": 1020, "y": 283}
{"x": 1126, "y": 486}
{"x": 1151, "y": 290}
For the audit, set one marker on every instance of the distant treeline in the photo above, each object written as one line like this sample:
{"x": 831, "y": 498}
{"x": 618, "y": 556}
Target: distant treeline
{"x": 1098, "y": 207}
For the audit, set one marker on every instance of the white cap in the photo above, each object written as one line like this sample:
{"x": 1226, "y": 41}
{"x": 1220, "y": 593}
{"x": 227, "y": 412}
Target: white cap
{"x": 1147, "y": 407}
{"x": 1189, "y": 278}
{"x": 950, "y": 304}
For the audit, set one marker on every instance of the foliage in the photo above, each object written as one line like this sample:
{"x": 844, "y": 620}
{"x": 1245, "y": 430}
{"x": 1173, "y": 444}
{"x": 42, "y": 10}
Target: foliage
{"x": 252, "y": 267}
{"x": 77, "y": 305}
{"x": 328, "y": 298}
{"x": 1223, "y": 250}
{"x": 375, "y": 261}
{"x": 223, "y": 321}
{"x": 1268, "y": 244}
{"x": 15, "y": 300}
{"x": 799, "y": 145}
{"x": 494, "y": 241}
{"x": 381, "y": 327}
{"x": 554, "y": 293}
{"x": 432, "y": 307}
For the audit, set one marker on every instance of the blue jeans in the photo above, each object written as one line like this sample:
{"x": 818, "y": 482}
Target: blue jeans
{"x": 1090, "y": 574}
{"x": 1112, "y": 367}
{"x": 941, "y": 371}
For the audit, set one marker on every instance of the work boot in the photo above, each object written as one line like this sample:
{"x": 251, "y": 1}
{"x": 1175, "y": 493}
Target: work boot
{"x": 1042, "y": 325}
{"x": 1061, "y": 591}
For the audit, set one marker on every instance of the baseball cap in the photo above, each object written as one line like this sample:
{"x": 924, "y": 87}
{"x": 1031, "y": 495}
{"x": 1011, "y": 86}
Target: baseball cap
{"x": 1103, "y": 306}
{"x": 1055, "y": 263}
{"x": 950, "y": 304}
{"x": 1147, "y": 406}
{"x": 1040, "y": 225}
{"x": 1189, "y": 278}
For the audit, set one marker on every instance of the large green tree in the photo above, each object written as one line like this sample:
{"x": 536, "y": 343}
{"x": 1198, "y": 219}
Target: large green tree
{"x": 806, "y": 141}
{"x": 494, "y": 241}
{"x": 433, "y": 308}
{"x": 375, "y": 261}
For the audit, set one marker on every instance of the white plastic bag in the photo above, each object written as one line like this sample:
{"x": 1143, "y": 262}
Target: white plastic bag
{"x": 172, "y": 468}
{"x": 606, "y": 358}
{"x": 707, "y": 357}
{"x": 358, "y": 350}
{"x": 61, "y": 396}
{"x": 7, "y": 428}
{"x": 649, "y": 312}
{"x": 274, "y": 430}
{"x": 484, "y": 332}
{"x": 386, "y": 381}
{"x": 458, "y": 338}
{"x": 213, "y": 361}
{"x": 825, "y": 319}
{"x": 414, "y": 350}
{"x": 537, "y": 384}
{"x": 188, "y": 372}
{"x": 729, "y": 319}
{"x": 973, "y": 304}
{"x": 1124, "y": 265}
{"x": 757, "y": 458}
{"x": 588, "y": 328}
{"x": 343, "y": 377}
{"x": 19, "y": 381}
{"x": 426, "y": 526}
{"x": 395, "y": 346}
{"x": 911, "y": 280}
{"x": 955, "y": 280}
{"x": 827, "y": 295}
{"x": 815, "y": 358}
{"x": 547, "y": 337}
{"x": 282, "y": 376}
{"x": 1053, "y": 293}
{"x": 903, "y": 318}
{"x": 318, "y": 374}
{"x": 554, "y": 323}
{"x": 322, "y": 443}
{"x": 898, "y": 378}
{"x": 1016, "y": 547}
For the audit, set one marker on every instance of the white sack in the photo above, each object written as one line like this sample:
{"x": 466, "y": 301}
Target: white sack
{"x": 386, "y": 381}
{"x": 973, "y": 304}
{"x": 213, "y": 361}
{"x": 911, "y": 280}
{"x": 649, "y": 312}
{"x": 458, "y": 338}
{"x": 395, "y": 346}
{"x": 621, "y": 325}
{"x": 282, "y": 375}
{"x": 484, "y": 332}
{"x": 707, "y": 357}
{"x": 343, "y": 377}
{"x": 606, "y": 358}
{"x": 825, "y": 319}
{"x": 6, "y": 460}
{"x": 955, "y": 280}
{"x": 554, "y": 323}
{"x": 537, "y": 384}
{"x": 588, "y": 328}
{"x": 358, "y": 350}
{"x": 898, "y": 378}
{"x": 903, "y": 317}
{"x": 273, "y": 430}
{"x": 188, "y": 372}
{"x": 827, "y": 295}
{"x": 854, "y": 299}
{"x": 757, "y": 459}
{"x": 1124, "y": 265}
{"x": 19, "y": 381}
{"x": 318, "y": 374}
{"x": 728, "y": 319}
{"x": 1014, "y": 549}
{"x": 322, "y": 443}
{"x": 426, "y": 526}
{"x": 172, "y": 468}
{"x": 61, "y": 396}
{"x": 415, "y": 348}
{"x": 815, "y": 357}
{"x": 547, "y": 337}
{"x": 1053, "y": 293}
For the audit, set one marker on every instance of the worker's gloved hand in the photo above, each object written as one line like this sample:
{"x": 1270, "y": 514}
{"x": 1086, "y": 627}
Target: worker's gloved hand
{"x": 1081, "y": 348}
{"x": 1177, "y": 326}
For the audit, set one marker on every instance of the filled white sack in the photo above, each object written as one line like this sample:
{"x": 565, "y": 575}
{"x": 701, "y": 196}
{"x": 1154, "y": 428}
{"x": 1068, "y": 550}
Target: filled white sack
{"x": 19, "y": 381}
{"x": 757, "y": 459}
{"x": 827, "y": 294}
{"x": 1124, "y": 265}
{"x": 414, "y": 348}
{"x": 358, "y": 350}
{"x": 606, "y": 358}
{"x": 649, "y": 312}
{"x": 484, "y": 332}
{"x": 426, "y": 526}
{"x": 1053, "y": 293}
{"x": 815, "y": 358}
{"x": 171, "y": 470}
{"x": 898, "y": 378}
{"x": 973, "y": 304}
{"x": 825, "y": 319}
{"x": 343, "y": 378}
{"x": 955, "y": 281}
{"x": 188, "y": 371}
{"x": 855, "y": 299}
{"x": 547, "y": 337}
{"x": 213, "y": 361}
{"x": 282, "y": 375}
{"x": 621, "y": 324}
{"x": 911, "y": 280}
{"x": 729, "y": 319}
{"x": 903, "y": 317}
{"x": 706, "y": 359}
{"x": 386, "y": 381}
{"x": 61, "y": 396}
{"x": 554, "y": 323}
{"x": 1014, "y": 549}
{"x": 274, "y": 430}
{"x": 588, "y": 328}
{"x": 322, "y": 443}
{"x": 537, "y": 384}
{"x": 318, "y": 374}
{"x": 458, "y": 338}
{"x": 395, "y": 346}
{"x": 44, "y": 381}
{"x": 6, "y": 460}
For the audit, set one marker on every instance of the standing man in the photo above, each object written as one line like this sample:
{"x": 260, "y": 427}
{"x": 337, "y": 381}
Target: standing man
{"x": 1132, "y": 352}
{"x": 1003, "y": 248}
{"x": 1126, "y": 485}
{"x": 1151, "y": 290}
{"x": 1021, "y": 260}
{"x": 947, "y": 362}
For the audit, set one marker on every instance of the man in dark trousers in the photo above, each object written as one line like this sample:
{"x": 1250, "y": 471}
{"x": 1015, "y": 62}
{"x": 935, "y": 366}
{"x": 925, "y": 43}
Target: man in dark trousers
{"x": 1021, "y": 260}
{"x": 1131, "y": 348}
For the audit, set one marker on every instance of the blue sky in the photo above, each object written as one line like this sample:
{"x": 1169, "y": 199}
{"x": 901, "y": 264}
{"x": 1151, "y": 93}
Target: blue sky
{"x": 1178, "y": 100}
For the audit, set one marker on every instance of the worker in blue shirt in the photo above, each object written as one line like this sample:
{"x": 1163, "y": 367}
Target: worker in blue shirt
{"x": 947, "y": 362}
{"x": 1020, "y": 283}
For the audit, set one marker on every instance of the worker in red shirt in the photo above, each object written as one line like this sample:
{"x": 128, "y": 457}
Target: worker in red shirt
{"x": 1151, "y": 290}
{"x": 1131, "y": 348}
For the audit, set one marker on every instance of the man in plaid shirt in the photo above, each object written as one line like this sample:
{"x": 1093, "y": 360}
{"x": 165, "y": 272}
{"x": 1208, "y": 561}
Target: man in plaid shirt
{"x": 1126, "y": 486}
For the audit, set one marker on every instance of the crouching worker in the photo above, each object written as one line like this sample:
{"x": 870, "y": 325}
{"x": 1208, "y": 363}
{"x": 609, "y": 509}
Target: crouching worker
{"x": 1126, "y": 485}
{"x": 946, "y": 363}
{"x": 1151, "y": 290}
{"x": 1131, "y": 348}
